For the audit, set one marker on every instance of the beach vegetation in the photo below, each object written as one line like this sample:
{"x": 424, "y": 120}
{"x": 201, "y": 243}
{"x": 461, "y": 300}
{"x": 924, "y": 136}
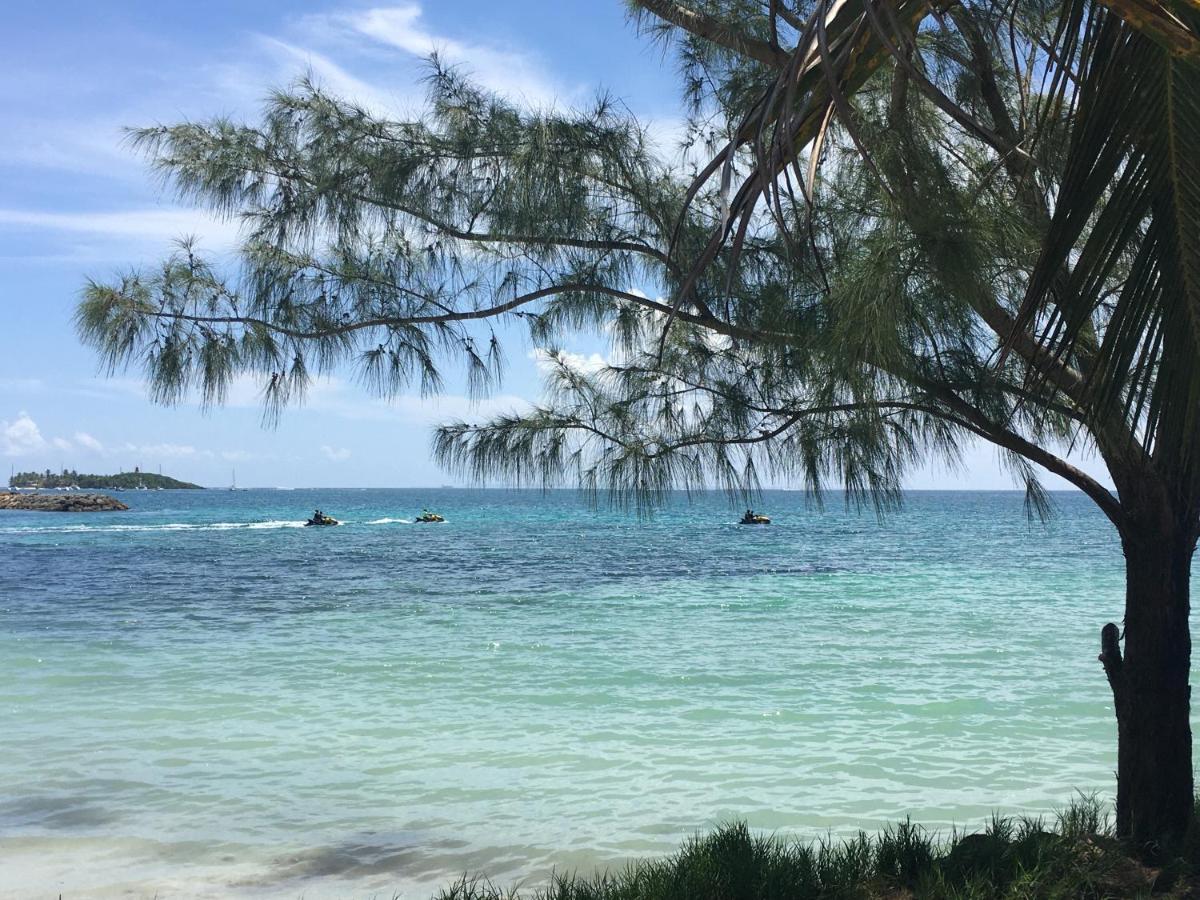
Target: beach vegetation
{"x": 1073, "y": 857}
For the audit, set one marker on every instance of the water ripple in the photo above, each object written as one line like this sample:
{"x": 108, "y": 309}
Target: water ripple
{"x": 202, "y": 698}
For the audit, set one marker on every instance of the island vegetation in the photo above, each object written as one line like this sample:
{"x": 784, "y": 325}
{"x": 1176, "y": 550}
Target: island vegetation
{"x": 910, "y": 226}
{"x": 122, "y": 481}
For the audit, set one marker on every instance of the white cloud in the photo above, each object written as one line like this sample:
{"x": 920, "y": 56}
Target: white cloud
{"x": 293, "y": 59}
{"x": 85, "y": 440}
{"x": 145, "y": 224}
{"x": 165, "y": 450}
{"x": 21, "y": 436}
{"x": 398, "y": 26}
{"x": 509, "y": 71}
{"x": 547, "y": 360}
{"x": 335, "y": 454}
{"x": 93, "y": 146}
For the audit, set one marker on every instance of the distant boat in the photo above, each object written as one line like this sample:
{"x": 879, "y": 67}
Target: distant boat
{"x": 753, "y": 518}
{"x": 233, "y": 482}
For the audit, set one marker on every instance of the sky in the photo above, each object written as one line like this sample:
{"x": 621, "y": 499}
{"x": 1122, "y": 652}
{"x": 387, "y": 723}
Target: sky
{"x": 76, "y": 203}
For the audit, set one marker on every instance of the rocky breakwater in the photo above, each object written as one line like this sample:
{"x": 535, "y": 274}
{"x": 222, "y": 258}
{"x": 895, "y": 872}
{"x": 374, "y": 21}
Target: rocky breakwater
{"x": 61, "y": 502}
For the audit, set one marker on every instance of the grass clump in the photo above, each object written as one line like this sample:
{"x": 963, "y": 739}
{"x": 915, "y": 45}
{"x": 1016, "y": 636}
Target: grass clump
{"x": 1075, "y": 857}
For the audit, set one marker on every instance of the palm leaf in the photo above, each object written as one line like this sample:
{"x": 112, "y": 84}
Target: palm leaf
{"x": 842, "y": 45}
{"x": 1127, "y": 224}
{"x": 1165, "y": 23}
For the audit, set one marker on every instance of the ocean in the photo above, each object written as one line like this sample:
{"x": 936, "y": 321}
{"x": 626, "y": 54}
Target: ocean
{"x": 200, "y": 698}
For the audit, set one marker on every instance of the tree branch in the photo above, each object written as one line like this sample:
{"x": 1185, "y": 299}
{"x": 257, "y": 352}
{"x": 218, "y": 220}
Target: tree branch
{"x": 716, "y": 31}
{"x": 708, "y": 322}
{"x": 1010, "y": 440}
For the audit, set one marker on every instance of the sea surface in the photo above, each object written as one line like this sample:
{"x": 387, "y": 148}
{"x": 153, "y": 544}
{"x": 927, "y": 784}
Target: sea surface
{"x": 201, "y": 698}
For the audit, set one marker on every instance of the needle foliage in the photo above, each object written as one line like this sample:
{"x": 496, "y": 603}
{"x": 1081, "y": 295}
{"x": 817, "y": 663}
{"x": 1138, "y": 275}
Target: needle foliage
{"x": 899, "y": 226}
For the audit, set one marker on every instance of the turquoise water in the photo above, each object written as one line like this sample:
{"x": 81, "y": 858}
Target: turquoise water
{"x": 200, "y": 698}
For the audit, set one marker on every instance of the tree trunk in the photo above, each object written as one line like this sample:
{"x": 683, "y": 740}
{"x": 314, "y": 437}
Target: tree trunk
{"x": 1150, "y": 687}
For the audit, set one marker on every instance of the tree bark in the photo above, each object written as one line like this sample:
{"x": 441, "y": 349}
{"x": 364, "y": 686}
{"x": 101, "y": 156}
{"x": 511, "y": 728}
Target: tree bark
{"x": 1150, "y": 687}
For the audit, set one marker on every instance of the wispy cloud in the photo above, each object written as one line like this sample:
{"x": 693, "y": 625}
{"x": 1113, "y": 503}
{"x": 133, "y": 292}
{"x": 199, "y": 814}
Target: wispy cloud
{"x": 110, "y": 387}
{"x": 23, "y": 437}
{"x": 351, "y": 53}
{"x": 293, "y": 60}
{"x": 86, "y": 441}
{"x": 156, "y": 224}
{"x": 165, "y": 450}
{"x": 335, "y": 454}
{"x": 92, "y": 147}
{"x": 514, "y": 72}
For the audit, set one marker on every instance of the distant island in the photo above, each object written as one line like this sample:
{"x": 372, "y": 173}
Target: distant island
{"x": 122, "y": 481}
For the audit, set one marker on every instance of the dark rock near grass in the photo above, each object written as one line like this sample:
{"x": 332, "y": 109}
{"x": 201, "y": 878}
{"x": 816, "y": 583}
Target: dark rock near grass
{"x": 61, "y": 502}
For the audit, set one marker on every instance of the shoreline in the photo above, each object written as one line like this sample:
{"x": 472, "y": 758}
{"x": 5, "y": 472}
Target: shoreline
{"x": 1070, "y": 852}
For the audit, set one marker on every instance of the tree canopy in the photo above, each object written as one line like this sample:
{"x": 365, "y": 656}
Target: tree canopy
{"x": 871, "y": 265}
{"x": 899, "y": 226}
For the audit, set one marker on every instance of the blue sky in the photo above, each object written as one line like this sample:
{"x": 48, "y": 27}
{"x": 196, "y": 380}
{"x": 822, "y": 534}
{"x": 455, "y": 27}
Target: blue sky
{"x": 75, "y": 203}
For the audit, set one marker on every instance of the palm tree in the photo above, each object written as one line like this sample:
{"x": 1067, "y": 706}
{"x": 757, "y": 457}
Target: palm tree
{"x": 1109, "y": 324}
{"x": 916, "y": 225}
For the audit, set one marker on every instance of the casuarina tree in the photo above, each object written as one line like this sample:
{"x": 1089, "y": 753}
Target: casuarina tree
{"x": 896, "y": 227}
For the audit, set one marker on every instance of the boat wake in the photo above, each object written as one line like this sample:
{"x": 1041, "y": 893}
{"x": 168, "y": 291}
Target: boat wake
{"x": 169, "y": 526}
{"x": 180, "y": 526}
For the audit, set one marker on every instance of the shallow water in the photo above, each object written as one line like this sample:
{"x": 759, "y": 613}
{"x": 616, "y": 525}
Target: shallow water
{"x": 198, "y": 697}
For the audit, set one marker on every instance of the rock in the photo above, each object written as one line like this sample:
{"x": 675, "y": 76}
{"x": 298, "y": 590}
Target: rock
{"x": 60, "y": 502}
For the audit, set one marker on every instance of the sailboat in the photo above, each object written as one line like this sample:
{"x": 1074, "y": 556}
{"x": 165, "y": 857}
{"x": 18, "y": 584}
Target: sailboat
{"x": 233, "y": 483}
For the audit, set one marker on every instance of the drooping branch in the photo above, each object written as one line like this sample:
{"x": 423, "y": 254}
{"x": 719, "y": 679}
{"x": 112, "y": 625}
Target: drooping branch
{"x": 99, "y": 294}
{"x": 1010, "y": 440}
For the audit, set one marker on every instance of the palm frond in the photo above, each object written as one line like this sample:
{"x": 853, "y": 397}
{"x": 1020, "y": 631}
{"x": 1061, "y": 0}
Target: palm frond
{"x": 1126, "y": 223}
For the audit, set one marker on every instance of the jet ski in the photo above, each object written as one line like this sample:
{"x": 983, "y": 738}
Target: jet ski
{"x": 427, "y": 517}
{"x": 753, "y": 518}
{"x": 319, "y": 518}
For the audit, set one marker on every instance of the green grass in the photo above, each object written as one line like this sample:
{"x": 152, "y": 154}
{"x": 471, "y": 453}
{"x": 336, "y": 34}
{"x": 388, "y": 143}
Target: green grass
{"x": 1075, "y": 856}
